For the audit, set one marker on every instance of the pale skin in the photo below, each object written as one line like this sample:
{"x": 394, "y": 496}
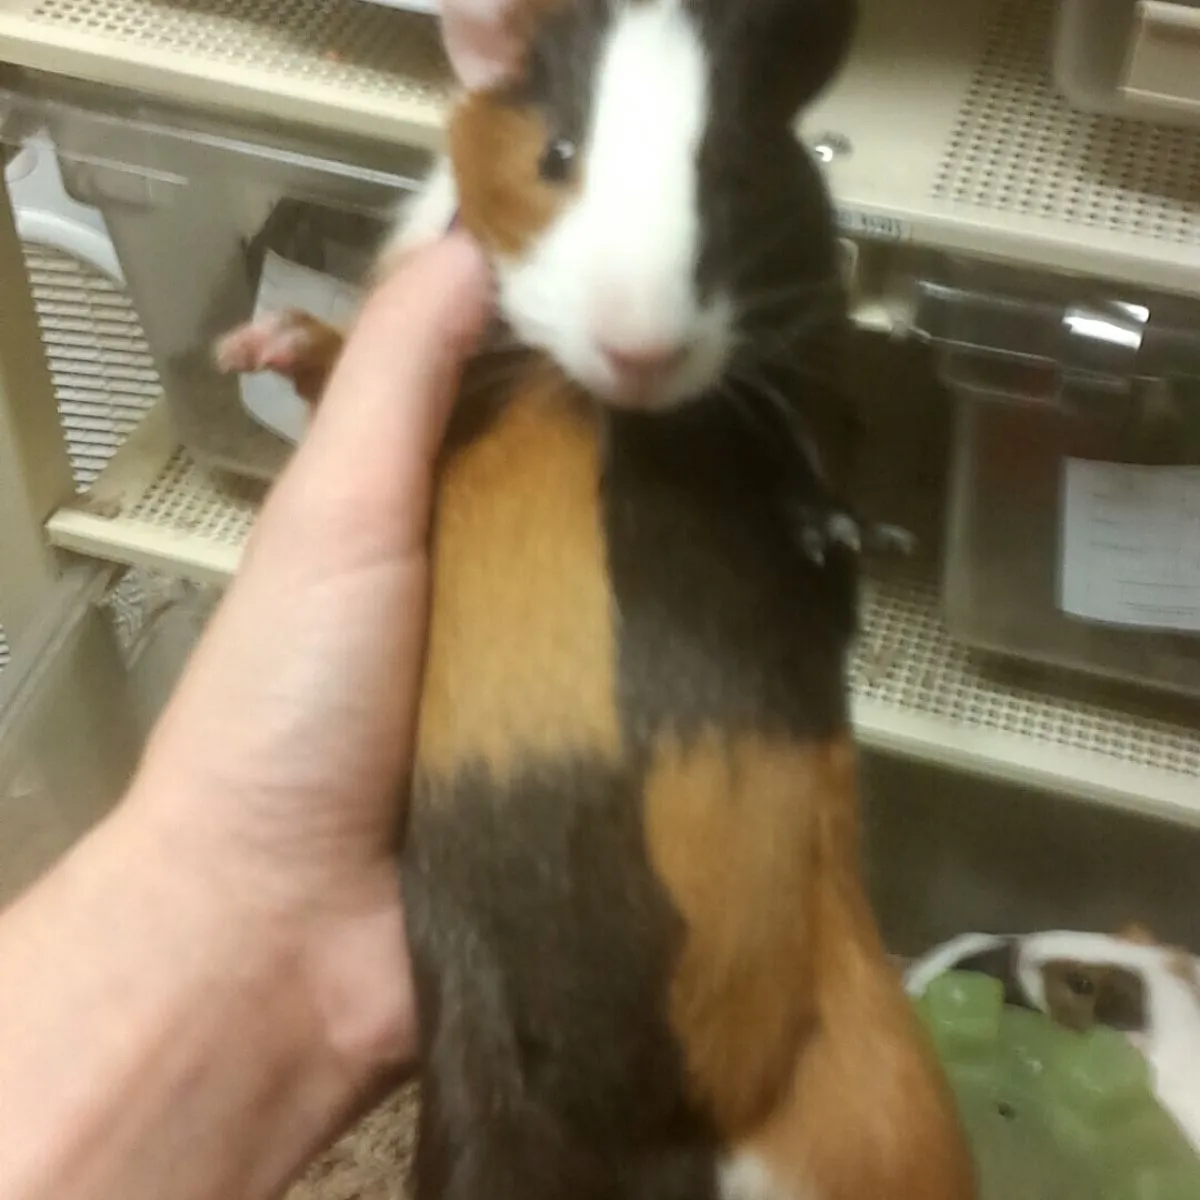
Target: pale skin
{"x": 214, "y": 981}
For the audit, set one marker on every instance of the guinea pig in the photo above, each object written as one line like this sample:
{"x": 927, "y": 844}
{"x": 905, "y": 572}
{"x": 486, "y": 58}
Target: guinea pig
{"x": 1129, "y": 983}
{"x": 647, "y": 967}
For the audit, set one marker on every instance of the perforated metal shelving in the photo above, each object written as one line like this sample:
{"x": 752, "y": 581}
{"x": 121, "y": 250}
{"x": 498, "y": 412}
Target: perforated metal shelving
{"x": 364, "y": 69}
{"x": 959, "y": 140}
{"x": 958, "y": 137}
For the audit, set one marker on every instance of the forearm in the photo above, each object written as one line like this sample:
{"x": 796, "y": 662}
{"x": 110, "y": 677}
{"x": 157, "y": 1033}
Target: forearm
{"x": 154, "y": 1046}
{"x": 199, "y": 996}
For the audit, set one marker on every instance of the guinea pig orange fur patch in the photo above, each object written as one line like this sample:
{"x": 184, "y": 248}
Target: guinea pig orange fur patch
{"x": 869, "y": 1116}
{"x": 729, "y": 826}
{"x": 497, "y": 148}
{"x": 521, "y": 658}
{"x": 868, "y": 1113}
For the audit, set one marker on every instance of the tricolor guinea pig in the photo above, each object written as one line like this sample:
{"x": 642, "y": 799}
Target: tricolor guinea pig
{"x": 647, "y": 967}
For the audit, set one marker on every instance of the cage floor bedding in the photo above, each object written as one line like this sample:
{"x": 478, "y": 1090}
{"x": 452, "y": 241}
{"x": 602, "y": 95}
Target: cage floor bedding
{"x": 372, "y": 1161}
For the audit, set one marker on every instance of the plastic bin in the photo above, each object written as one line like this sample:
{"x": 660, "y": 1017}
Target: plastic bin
{"x": 1131, "y": 58}
{"x": 210, "y": 217}
{"x": 52, "y": 788}
{"x": 1073, "y": 532}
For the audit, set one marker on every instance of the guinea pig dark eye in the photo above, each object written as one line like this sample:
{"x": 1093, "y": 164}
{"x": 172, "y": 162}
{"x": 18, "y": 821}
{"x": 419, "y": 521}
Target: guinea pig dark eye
{"x": 557, "y": 161}
{"x": 1081, "y": 985}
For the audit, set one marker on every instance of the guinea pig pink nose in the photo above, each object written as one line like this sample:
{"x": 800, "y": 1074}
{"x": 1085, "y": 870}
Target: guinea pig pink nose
{"x": 646, "y": 360}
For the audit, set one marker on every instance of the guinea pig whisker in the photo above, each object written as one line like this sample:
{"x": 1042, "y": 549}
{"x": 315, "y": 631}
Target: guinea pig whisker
{"x": 743, "y": 405}
{"x": 775, "y": 392}
{"x": 497, "y": 366}
{"x": 801, "y": 374}
{"x": 767, "y": 299}
{"x": 772, "y": 343}
{"x": 792, "y": 414}
{"x": 495, "y": 373}
{"x": 491, "y": 349}
{"x": 772, "y": 237}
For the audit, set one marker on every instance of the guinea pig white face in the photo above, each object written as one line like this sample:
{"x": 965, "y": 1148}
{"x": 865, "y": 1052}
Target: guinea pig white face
{"x": 609, "y": 288}
{"x": 618, "y": 189}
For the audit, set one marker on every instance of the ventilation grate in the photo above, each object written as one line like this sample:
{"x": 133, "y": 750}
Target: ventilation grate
{"x": 1019, "y": 147}
{"x": 104, "y": 377}
{"x": 104, "y": 383}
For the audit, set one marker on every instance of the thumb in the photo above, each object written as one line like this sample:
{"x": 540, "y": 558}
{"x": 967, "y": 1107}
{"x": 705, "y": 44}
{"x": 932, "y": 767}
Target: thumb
{"x": 376, "y": 433}
{"x": 404, "y": 353}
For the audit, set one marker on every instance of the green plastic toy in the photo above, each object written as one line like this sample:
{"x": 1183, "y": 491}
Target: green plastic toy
{"x": 1052, "y": 1114}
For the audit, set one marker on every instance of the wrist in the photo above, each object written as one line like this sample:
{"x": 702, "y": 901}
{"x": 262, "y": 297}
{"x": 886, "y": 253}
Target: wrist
{"x": 331, "y": 961}
{"x": 150, "y": 1018}
{"x": 333, "y": 911}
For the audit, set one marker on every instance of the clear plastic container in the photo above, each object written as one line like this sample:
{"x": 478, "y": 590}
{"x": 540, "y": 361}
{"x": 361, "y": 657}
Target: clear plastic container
{"x": 1074, "y": 502}
{"x": 61, "y": 763}
{"x": 1131, "y": 58}
{"x": 208, "y": 216}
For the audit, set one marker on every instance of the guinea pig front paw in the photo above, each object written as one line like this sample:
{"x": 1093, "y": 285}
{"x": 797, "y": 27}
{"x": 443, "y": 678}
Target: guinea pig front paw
{"x": 821, "y": 530}
{"x": 892, "y": 539}
{"x": 274, "y": 342}
{"x": 293, "y": 344}
{"x": 818, "y": 530}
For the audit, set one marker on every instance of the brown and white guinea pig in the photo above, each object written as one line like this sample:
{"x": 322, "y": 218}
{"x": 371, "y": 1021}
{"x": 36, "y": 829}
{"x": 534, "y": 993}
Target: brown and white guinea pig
{"x": 1130, "y": 983}
{"x": 647, "y": 966}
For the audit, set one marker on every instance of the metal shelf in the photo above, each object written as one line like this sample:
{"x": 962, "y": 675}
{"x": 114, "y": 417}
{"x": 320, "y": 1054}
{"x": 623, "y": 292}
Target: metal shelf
{"x": 958, "y": 138}
{"x": 154, "y": 507}
{"x": 366, "y": 70}
{"x": 917, "y": 693}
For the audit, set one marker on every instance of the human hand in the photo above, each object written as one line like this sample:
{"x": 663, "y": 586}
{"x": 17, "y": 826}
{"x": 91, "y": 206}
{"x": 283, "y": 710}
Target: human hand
{"x": 277, "y": 772}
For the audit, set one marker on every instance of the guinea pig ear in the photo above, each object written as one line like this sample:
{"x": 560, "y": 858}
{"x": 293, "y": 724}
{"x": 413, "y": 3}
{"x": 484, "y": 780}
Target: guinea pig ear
{"x": 793, "y": 48}
{"x": 483, "y": 41}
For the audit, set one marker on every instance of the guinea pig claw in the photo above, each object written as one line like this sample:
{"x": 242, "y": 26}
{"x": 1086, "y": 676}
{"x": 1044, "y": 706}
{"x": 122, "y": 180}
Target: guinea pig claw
{"x": 892, "y": 539}
{"x": 843, "y": 529}
{"x": 819, "y": 529}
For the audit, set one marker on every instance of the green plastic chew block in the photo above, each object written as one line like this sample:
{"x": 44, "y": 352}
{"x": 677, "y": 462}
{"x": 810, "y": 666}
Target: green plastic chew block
{"x": 963, "y": 1011}
{"x": 1053, "y": 1115}
{"x": 1099, "y": 1075}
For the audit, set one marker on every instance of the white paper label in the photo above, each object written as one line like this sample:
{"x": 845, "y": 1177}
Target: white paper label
{"x": 855, "y": 222}
{"x": 1131, "y": 544}
{"x": 270, "y": 399}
